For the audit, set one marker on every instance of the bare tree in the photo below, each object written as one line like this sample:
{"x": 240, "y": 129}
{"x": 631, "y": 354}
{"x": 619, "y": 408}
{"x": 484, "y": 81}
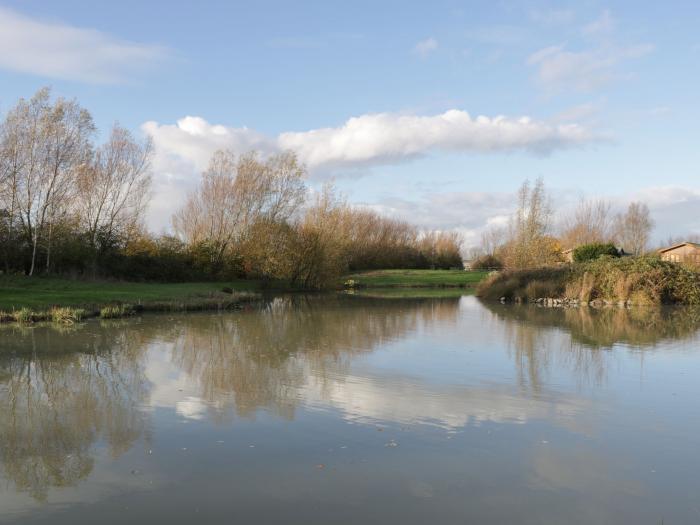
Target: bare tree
{"x": 529, "y": 243}
{"x": 55, "y": 141}
{"x": 492, "y": 238}
{"x": 113, "y": 187}
{"x": 12, "y": 161}
{"x": 633, "y": 228}
{"x": 590, "y": 222}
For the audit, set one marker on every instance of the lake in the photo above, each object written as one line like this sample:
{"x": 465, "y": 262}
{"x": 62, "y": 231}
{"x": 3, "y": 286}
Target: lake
{"x": 355, "y": 409}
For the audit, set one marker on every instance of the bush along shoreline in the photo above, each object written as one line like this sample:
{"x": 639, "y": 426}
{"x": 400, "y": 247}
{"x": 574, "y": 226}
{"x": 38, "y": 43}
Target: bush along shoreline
{"x": 627, "y": 281}
{"x": 68, "y": 315}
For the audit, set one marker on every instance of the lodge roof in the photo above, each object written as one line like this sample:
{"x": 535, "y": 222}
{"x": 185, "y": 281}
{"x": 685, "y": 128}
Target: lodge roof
{"x": 693, "y": 244}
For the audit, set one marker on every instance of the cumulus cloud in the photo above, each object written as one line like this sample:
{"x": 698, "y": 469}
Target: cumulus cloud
{"x": 368, "y": 139}
{"x": 425, "y": 47}
{"x": 387, "y": 137}
{"x": 560, "y": 69}
{"x": 183, "y": 149}
{"x": 56, "y": 50}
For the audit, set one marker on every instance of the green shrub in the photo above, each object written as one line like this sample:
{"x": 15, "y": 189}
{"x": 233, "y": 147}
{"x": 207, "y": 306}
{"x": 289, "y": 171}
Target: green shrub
{"x": 590, "y": 252}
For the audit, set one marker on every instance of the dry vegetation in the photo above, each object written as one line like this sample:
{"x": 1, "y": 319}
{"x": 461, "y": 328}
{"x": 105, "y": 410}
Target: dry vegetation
{"x": 642, "y": 280}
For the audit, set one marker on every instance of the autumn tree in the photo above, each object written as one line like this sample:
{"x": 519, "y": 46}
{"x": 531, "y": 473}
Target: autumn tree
{"x": 235, "y": 193}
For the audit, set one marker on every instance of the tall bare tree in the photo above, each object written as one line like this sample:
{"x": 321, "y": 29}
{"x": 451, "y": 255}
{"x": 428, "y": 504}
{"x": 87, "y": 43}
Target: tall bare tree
{"x": 55, "y": 142}
{"x": 114, "y": 186}
{"x": 529, "y": 242}
{"x": 13, "y": 155}
{"x": 590, "y": 222}
{"x": 633, "y": 228}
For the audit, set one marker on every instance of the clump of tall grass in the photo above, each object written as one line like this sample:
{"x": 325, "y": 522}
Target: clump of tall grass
{"x": 116, "y": 311}
{"x": 25, "y": 316}
{"x": 67, "y": 315}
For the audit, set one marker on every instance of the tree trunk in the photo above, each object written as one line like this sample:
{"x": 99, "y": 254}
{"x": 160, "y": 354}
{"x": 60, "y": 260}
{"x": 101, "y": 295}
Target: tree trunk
{"x": 48, "y": 249}
{"x": 34, "y": 243}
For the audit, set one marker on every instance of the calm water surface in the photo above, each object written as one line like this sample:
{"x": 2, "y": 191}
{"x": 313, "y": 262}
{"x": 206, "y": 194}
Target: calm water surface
{"x": 348, "y": 409}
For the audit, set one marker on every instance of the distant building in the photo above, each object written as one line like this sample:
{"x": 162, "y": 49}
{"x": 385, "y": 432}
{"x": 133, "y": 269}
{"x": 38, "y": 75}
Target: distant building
{"x": 685, "y": 252}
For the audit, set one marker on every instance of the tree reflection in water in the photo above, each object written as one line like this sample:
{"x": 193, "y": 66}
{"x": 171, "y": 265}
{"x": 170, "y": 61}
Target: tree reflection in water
{"x": 586, "y": 336}
{"x": 61, "y": 391}
{"x": 263, "y": 358}
{"x": 64, "y": 390}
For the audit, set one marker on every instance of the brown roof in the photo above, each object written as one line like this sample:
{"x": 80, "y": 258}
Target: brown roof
{"x": 694, "y": 244}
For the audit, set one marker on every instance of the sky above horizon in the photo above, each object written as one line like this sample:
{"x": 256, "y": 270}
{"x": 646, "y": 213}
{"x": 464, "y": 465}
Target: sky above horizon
{"x": 434, "y": 112}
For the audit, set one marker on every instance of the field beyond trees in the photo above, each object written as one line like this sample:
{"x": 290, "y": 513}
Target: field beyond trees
{"x": 414, "y": 279}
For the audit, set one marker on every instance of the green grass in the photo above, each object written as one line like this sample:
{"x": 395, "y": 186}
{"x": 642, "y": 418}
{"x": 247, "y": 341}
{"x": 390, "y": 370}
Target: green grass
{"x": 415, "y": 278}
{"x": 43, "y": 293}
{"x": 403, "y": 292}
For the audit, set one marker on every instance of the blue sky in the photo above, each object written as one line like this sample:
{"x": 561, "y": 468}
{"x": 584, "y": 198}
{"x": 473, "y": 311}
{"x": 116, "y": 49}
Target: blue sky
{"x": 383, "y": 97}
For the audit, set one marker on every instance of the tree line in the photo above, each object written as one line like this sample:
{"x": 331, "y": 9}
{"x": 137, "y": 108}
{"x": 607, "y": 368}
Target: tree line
{"x": 533, "y": 238}
{"x": 70, "y": 206}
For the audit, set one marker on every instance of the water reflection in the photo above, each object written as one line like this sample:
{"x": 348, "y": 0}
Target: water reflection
{"x": 64, "y": 389}
{"x": 581, "y": 339}
{"x": 447, "y": 364}
{"x": 605, "y": 327}
{"x": 60, "y": 392}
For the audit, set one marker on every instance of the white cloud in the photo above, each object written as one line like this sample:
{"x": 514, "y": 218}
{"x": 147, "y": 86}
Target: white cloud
{"x": 425, "y": 47}
{"x": 183, "y": 149}
{"x": 366, "y": 140}
{"x": 389, "y": 137}
{"x": 559, "y": 69}
{"x": 56, "y": 50}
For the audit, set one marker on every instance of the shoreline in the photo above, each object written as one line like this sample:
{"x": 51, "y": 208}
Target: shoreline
{"x": 68, "y": 315}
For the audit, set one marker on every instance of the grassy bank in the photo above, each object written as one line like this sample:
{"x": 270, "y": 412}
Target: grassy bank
{"x": 637, "y": 281}
{"x": 24, "y": 299}
{"x": 413, "y": 279}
